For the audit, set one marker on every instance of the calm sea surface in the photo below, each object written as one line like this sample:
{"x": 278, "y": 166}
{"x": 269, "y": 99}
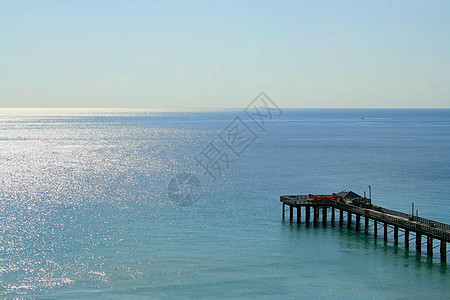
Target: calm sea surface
{"x": 84, "y": 208}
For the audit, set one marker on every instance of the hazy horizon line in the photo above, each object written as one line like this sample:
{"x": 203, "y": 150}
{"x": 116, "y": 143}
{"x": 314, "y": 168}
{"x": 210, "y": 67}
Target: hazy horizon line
{"x": 198, "y": 108}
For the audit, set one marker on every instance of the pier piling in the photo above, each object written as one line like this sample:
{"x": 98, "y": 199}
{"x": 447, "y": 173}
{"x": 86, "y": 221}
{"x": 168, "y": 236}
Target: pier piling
{"x": 307, "y": 213}
{"x": 385, "y": 231}
{"x": 406, "y": 238}
{"x": 375, "y": 228}
{"x": 316, "y": 214}
{"x": 443, "y": 250}
{"x": 358, "y": 221}
{"x": 349, "y": 219}
{"x": 395, "y": 235}
{"x": 429, "y": 245}
{"x": 418, "y": 242}
{"x": 332, "y": 216}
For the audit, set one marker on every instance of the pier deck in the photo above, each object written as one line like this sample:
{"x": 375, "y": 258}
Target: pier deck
{"x": 361, "y": 207}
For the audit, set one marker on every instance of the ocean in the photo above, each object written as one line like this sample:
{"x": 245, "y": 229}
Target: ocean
{"x": 184, "y": 204}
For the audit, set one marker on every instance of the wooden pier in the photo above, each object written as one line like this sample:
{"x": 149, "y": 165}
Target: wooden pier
{"x": 357, "y": 208}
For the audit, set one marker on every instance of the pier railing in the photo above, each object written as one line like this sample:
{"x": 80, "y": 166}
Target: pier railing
{"x": 385, "y": 215}
{"x": 407, "y": 224}
{"x": 432, "y": 223}
{"x": 295, "y": 197}
{"x": 412, "y": 217}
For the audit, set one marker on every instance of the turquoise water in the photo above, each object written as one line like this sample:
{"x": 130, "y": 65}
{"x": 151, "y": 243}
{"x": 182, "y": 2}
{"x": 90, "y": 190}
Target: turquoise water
{"x": 85, "y": 210}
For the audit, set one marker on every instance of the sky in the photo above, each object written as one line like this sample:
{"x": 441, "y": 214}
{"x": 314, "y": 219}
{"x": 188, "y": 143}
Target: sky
{"x": 222, "y": 54}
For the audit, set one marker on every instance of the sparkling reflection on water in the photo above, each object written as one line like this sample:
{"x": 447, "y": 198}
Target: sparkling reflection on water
{"x": 84, "y": 209}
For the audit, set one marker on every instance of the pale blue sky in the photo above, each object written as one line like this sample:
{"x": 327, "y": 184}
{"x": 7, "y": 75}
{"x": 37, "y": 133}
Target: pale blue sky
{"x": 194, "y": 54}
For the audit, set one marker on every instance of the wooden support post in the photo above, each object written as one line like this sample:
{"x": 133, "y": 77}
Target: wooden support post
{"x": 396, "y": 235}
{"x": 349, "y": 219}
{"x": 366, "y": 225}
{"x": 316, "y": 214}
{"x": 418, "y": 242}
{"x": 324, "y": 216}
{"x": 407, "y": 238}
{"x": 341, "y": 217}
{"x": 385, "y": 231}
{"x": 291, "y": 212}
{"x": 443, "y": 250}
{"x": 429, "y": 245}
{"x": 375, "y": 228}
{"x": 358, "y": 221}
{"x": 332, "y": 216}
{"x": 307, "y": 213}
{"x": 299, "y": 214}
{"x": 283, "y": 210}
